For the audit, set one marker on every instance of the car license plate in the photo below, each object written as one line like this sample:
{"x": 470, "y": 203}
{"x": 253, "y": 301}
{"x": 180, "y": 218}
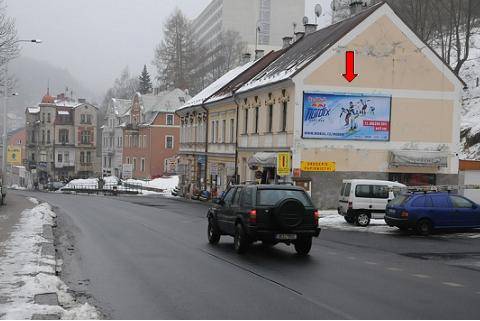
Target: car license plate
{"x": 391, "y": 211}
{"x": 284, "y": 237}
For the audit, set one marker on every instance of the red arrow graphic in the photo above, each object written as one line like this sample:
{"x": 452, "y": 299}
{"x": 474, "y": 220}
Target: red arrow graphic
{"x": 350, "y": 74}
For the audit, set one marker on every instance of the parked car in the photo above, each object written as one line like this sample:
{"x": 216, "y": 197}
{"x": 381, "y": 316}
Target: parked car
{"x": 55, "y": 186}
{"x": 268, "y": 213}
{"x": 362, "y": 200}
{"x": 426, "y": 212}
{"x": 3, "y": 195}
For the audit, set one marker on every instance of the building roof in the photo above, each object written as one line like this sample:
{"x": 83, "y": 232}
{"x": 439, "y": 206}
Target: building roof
{"x": 214, "y": 87}
{"x": 228, "y": 90}
{"x": 168, "y": 101}
{"x": 120, "y": 106}
{"x": 306, "y": 50}
{"x": 33, "y": 110}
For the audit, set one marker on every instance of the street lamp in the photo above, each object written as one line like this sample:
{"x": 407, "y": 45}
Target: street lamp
{"x": 4, "y": 140}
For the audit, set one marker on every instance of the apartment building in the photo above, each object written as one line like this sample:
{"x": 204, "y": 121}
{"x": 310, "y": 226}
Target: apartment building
{"x": 151, "y": 133}
{"x": 60, "y": 140}
{"x": 377, "y": 124}
{"x": 112, "y": 136}
{"x": 274, "y": 18}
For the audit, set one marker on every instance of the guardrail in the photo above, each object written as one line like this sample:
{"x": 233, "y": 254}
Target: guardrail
{"x": 108, "y": 189}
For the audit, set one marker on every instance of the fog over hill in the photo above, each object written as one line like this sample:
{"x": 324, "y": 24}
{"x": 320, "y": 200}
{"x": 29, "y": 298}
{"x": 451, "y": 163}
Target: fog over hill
{"x": 32, "y": 78}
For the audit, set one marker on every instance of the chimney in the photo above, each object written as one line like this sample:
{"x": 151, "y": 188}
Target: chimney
{"x": 259, "y": 54}
{"x": 82, "y": 100}
{"x": 299, "y": 35}
{"x": 286, "y": 42}
{"x": 246, "y": 57}
{"x": 356, "y": 6}
{"x": 310, "y": 28}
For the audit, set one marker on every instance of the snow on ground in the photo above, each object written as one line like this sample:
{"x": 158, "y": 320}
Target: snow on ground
{"x": 15, "y": 186}
{"x": 92, "y": 183}
{"x": 164, "y": 183}
{"x": 26, "y": 272}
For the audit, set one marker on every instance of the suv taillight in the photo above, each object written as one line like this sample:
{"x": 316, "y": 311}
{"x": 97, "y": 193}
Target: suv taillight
{"x": 252, "y": 216}
{"x": 350, "y": 205}
{"x": 316, "y": 216}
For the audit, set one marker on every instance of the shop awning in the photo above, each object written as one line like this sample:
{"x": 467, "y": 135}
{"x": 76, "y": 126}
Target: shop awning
{"x": 418, "y": 158}
{"x": 263, "y": 159}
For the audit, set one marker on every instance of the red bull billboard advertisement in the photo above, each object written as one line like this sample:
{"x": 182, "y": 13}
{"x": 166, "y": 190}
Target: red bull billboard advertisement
{"x": 346, "y": 116}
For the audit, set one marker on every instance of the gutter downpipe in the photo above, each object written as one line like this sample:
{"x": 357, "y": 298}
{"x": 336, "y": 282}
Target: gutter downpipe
{"x": 235, "y": 99}
{"x": 206, "y": 142}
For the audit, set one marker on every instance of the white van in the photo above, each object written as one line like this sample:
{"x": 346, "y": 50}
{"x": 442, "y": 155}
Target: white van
{"x": 364, "y": 199}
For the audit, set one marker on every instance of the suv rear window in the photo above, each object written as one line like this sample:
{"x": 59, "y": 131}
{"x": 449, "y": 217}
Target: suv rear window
{"x": 270, "y": 197}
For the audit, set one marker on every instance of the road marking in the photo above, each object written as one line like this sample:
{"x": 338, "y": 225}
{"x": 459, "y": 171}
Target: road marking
{"x": 395, "y": 269}
{"x": 421, "y": 276}
{"x": 370, "y": 263}
{"x": 452, "y": 284}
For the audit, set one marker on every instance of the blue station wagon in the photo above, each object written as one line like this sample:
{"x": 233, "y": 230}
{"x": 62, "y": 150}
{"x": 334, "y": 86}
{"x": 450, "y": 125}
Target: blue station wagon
{"x": 425, "y": 212}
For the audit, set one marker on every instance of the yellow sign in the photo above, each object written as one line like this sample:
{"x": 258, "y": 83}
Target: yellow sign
{"x": 14, "y": 155}
{"x": 283, "y": 164}
{"x": 318, "y": 166}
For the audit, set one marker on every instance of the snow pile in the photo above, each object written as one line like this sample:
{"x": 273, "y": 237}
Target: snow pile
{"x": 26, "y": 272}
{"x": 333, "y": 220}
{"x": 15, "y": 186}
{"x": 165, "y": 184}
{"x": 92, "y": 183}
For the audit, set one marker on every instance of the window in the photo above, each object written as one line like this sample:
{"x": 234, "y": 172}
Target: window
{"x": 104, "y": 161}
{"x": 43, "y": 118}
{"x": 232, "y": 130}
{"x": 43, "y": 136}
{"x": 89, "y": 119}
{"x": 128, "y": 160}
{"x": 85, "y": 137}
{"x": 216, "y": 132}
{"x": 247, "y": 197}
{"x": 270, "y": 197}
{"x": 419, "y": 201}
{"x": 170, "y": 119}
{"x": 89, "y": 157}
{"x": 212, "y": 139}
{"x": 48, "y": 136}
{"x": 256, "y": 120}
{"x": 229, "y": 196}
{"x": 362, "y": 191}
{"x": 82, "y": 118}
{"x": 245, "y": 129}
{"x": 439, "y": 201}
{"x": 284, "y": 117}
{"x": 63, "y": 133}
{"x": 236, "y": 199}
{"x": 60, "y": 158}
{"x": 379, "y": 191}
{"x": 270, "y": 118}
{"x": 82, "y": 157}
{"x": 224, "y": 131}
{"x": 169, "y": 142}
{"x": 49, "y": 118}
{"x": 134, "y": 163}
{"x": 33, "y": 157}
{"x": 142, "y": 165}
{"x": 460, "y": 202}
{"x": 348, "y": 188}
{"x": 67, "y": 157}
{"x": 109, "y": 161}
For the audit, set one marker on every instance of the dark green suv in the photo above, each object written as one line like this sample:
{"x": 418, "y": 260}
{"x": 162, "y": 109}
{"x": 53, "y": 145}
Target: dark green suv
{"x": 268, "y": 213}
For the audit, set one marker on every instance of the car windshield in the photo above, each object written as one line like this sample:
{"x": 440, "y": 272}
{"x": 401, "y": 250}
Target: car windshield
{"x": 270, "y": 197}
{"x": 399, "y": 200}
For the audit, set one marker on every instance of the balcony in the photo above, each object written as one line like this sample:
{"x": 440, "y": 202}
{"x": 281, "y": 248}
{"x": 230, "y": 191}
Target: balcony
{"x": 131, "y": 127}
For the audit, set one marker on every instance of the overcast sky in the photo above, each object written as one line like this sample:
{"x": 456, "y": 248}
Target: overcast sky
{"x": 96, "y": 39}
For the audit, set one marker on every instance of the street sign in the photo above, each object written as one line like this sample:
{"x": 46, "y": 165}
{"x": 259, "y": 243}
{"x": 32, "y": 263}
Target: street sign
{"x": 318, "y": 166}
{"x": 14, "y": 155}
{"x": 127, "y": 171}
{"x": 283, "y": 164}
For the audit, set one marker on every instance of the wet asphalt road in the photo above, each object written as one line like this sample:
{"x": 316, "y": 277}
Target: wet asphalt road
{"x": 148, "y": 258}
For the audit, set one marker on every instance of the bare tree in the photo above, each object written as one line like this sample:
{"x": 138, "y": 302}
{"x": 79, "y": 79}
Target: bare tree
{"x": 124, "y": 87}
{"x": 8, "y": 36}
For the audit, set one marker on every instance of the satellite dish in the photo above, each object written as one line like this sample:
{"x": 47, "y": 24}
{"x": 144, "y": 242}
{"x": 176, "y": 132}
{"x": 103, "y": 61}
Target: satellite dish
{"x": 305, "y": 20}
{"x": 318, "y": 10}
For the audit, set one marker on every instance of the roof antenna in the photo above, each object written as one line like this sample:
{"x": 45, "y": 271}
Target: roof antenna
{"x": 294, "y": 27}
{"x": 48, "y": 87}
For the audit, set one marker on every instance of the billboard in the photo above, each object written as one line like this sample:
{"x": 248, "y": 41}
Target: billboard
{"x": 14, "y": 155}
{"x": 346, "y": 116}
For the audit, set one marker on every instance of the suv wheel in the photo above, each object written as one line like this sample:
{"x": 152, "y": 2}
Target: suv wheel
{"x": 424, "y": 227}
{"x": 303, "y": 245}
{"x": 362, "y": 219}
{"x": 240, "y": 240}
{"x": 213, "y": 233}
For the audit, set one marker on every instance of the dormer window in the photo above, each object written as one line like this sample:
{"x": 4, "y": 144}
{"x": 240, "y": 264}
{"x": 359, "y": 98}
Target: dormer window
{"x": 170, "y": 119}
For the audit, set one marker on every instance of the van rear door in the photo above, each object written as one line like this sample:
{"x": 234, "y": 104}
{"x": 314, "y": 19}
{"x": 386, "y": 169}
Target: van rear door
{"x": 343, "y": 198}
{"x": 379, "y": 195}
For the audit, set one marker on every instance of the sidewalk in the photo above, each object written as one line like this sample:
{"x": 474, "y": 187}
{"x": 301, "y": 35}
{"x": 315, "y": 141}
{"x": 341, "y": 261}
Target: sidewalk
{"x": 10, "y": 216}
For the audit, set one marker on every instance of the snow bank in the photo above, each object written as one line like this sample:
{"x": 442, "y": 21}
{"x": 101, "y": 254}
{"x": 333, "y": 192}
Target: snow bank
{"x": 15, "y": 186}
{"x": 26, "y": 272}
{"x": 91, "y": 183}
{"x": 332, "y": 220}
{"x": 164, "y": 183}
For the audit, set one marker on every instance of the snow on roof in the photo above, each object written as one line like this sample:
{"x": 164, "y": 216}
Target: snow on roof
{"x": 167, "y": 101}
{"x": 120, "y": 106}
{"x": 33, "y": 110}
{"x": 63, "y": 112}
{"x": 66, "y": 103}
{"x": 305, "y": 51}
{"x": 217, "y": 85}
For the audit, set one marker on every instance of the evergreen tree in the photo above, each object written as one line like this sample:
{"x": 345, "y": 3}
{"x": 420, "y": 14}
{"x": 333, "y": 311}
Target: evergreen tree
{"x": 145, "y": 83}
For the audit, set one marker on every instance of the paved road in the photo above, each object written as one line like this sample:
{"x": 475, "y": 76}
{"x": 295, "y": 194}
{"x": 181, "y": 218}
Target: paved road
{"x": 10, "y": 215}
{"x": 153, "y": 261}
